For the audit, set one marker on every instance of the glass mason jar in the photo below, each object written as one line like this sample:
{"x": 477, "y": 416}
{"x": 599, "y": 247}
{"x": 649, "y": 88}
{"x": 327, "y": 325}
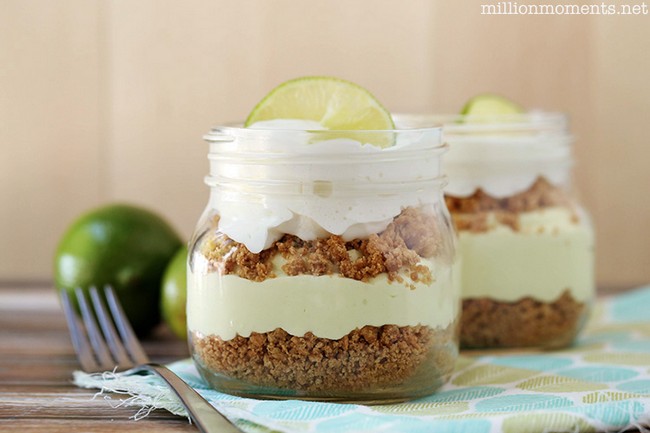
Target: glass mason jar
{"x": 321, "y": 267}
{"x": 525, "y": 243}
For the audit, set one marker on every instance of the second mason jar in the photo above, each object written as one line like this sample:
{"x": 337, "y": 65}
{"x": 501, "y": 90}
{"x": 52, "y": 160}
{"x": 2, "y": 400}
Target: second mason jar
{"x": 526, "y": 245}
{"x": 322, "y": 266}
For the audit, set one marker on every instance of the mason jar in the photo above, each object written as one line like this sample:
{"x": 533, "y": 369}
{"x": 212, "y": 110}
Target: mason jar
{"x": 322, "y": 266}
{"x": 525, "y": 242}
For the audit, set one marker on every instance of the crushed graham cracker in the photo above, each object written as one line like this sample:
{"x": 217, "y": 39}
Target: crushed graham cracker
{"x": 412, "y": 235}
{"x": 366, "y": 359}
{"x": 473, "y": 213}
{"x": 489, "y": 323}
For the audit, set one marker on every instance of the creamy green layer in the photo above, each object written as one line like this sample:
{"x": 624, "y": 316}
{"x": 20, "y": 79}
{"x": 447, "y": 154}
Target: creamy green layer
{"x": 329, "y": 306}
{"x": 549, "y": 254}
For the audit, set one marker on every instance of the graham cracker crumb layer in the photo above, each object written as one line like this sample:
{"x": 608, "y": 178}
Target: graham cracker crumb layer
{"x": 472, "y": 213}
{"x": 489, "y": 323}
{"x": 365, "y": 359}
{"x": 412, "y": 235}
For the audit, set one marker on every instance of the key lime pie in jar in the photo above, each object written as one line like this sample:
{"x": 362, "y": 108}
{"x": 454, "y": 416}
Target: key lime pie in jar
{"x": 323, "y": 265}
{"x": 526, "y": 244}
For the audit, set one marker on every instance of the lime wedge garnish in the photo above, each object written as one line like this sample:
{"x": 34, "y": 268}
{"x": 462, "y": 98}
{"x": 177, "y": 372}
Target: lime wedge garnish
{"x": 336, "y": 104}
{"x": 489, "y": 107}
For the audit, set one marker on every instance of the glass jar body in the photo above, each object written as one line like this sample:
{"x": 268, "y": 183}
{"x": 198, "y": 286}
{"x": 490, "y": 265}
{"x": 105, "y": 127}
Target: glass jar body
{"x": 526, "y": 244}
{"x": 325, "y": 277}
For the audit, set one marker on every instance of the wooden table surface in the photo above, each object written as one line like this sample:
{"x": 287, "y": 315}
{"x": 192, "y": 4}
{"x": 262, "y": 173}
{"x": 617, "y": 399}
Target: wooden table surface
{"x": 36, "y": 365}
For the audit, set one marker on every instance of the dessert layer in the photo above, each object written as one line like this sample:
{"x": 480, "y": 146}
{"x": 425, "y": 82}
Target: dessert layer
{"x": 470, "y": 212}
{"x": 413, "y": 358}
{"x": 504, "y": 159}
{"x": 413, "y": 234}
{"x": 328, "y": 306}
{"x": 524, "y": 323}
{"x": 550, "y": 252}
{"x": 307, "y": 184}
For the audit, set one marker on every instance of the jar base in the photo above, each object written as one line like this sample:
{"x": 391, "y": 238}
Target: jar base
{"x": 488, "y": 323}
{"x": 398, "y": 393}
{"x": 389, "y": 364}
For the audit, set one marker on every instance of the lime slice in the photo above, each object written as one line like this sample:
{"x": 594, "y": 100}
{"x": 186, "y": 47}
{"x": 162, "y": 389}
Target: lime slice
{"x": 336, "y": 104}
{"x": 489, "y": 106}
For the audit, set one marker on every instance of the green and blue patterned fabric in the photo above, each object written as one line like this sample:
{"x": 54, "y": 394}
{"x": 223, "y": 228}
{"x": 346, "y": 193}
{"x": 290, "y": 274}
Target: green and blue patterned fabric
{"x": 601, "y": 383}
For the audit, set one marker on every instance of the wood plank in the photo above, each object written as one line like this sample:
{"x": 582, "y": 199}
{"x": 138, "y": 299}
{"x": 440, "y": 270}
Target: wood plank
{"x": 37, "y": 370}
{"x": 46, "y": 344}
{"x": 21, "y": 321}
{"x": 57, "y": 343}
{"x": 88, "y": 425}
{"x": 69, "y": 405}
{"x": 51, "y": 133}
{"x": 620, "y": 149}
{"x": 34, "y": 370}
{"x": 53, "y": 402}
{"x": 8, "y": 388}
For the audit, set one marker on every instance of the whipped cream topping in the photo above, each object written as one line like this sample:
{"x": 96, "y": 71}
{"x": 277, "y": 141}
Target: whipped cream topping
{"x": 505, "y": 158}
{"x": 277, "y": 178}
{"x": 503, "y": 168}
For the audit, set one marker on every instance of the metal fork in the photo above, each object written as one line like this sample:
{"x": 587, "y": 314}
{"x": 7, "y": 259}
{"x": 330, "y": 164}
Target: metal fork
{"x": 103, "y": 348}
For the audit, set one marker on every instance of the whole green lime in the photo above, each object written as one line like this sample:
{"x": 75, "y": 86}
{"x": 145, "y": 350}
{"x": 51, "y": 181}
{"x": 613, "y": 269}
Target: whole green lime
{"x": 174, "y": 294}
{"x": 122, "y": 245}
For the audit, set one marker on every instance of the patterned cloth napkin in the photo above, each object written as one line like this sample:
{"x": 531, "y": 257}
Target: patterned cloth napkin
{"x": 602, "y": 383}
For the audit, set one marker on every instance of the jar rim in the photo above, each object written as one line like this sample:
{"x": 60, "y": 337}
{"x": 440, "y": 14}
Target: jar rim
{"x": 352, "y": 156}
{"x": 217, "y": 133}
{"x": 529, "y": 121}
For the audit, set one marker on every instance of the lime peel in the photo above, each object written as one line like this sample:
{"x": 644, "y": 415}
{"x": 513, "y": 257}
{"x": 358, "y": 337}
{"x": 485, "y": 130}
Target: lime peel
{"x": 490, "y": 107}
{"x": 336, "y": 104}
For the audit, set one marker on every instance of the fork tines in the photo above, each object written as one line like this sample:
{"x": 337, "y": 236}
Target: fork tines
{"x": 97, "y": 342}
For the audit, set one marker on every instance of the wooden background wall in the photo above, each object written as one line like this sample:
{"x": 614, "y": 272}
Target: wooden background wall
{"x": 107, "y": 100}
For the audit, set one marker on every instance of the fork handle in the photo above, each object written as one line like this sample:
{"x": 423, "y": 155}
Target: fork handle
{"x": 206, "y": 418}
